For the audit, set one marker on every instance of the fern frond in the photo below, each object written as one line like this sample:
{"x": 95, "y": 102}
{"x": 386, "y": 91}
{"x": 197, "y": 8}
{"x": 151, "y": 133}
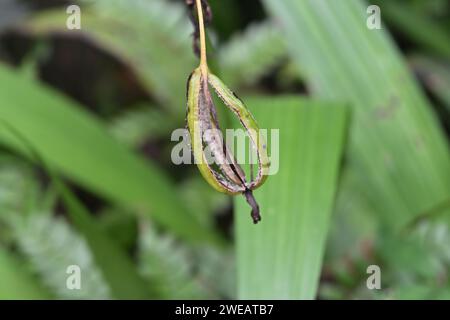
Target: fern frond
{"x": 153, "y": 37}
{"x": 19, "y": 190}
{"x": 250, "y": 55}
{"x": 184, "y": 272}
{"x": 135, "y": 126}
{"x": 168, "y": 265}
{"x": 51, "y": 246}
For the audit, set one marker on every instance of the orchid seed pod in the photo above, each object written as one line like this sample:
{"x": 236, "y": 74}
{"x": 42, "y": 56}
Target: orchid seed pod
{"x": 226, "y": 175}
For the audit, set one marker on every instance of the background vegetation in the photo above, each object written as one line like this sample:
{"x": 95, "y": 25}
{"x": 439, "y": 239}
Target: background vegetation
{"x": 86, "y": 176}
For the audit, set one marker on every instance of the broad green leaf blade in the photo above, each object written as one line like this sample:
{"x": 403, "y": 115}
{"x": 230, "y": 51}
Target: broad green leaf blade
{"x": 281, "y": 257}
{"x": 397, "y": 147}
{"x": 78, "y": 145}
{"x": 116, "y": 267}
{"x": 16, "y": 282}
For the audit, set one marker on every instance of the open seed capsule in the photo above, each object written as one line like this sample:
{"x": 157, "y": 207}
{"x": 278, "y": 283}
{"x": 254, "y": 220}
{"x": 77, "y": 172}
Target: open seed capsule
{"x": 225, "y": 174}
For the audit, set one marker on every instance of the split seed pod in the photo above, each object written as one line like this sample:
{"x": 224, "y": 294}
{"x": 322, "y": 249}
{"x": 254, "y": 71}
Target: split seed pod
{"x": 225, "y": 175}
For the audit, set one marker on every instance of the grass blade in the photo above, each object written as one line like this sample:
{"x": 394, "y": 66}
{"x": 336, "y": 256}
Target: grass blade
{"x": 78, "y": 145}
{"x": 281, "y": 257}
{"x": 157, "y": 45}
{"x": 397, "y": 147}
{"x": 117, "y": 268}
{"x": 416, "y": 26}
{"x": 16, "y": 282}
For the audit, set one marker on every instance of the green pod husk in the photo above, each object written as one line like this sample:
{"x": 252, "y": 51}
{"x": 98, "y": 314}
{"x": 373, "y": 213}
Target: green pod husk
{"x": 225, "y": 175}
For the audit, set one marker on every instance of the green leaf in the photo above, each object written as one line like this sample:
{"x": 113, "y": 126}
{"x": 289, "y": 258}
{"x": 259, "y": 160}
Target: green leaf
{"x": 408, "y": 258}
{"x": 18, "y": 188}
{"x": 153, "y": 37}
{"x": 416, "y": 26}
{"x": 168, "y": 266}
{"x": 250, "y": 55}
{"x": 51, "y": 246}
{"x": 213, "y": 261}
{"x": 423, "y": 291}
{"x": 435, "y": 76}
{"x": 135, "y": 126}
{"x": 120, "y": 226}
{"x": 78, "y": 145}
{"x": 198, "y": 195}
{"x": 117, "y": 268}
{"x": 397, "y": 148}
{"x": 184, "y": 272}
{"x": 16, "y": 282}
{"x": 354, "y": 223}
{"x": 281, "y": 257}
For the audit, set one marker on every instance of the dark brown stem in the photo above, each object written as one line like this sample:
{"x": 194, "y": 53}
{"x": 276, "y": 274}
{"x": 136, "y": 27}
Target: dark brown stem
{"x": 255, "y": 207}
{"x": 191, "y": 4}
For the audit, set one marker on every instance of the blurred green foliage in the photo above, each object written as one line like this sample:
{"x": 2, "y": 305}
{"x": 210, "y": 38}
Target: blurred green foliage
{"x": 86, "y": 177}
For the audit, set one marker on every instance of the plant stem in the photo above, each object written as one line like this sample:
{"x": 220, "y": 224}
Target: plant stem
{"x": 201, "y": 25}
{"x": 255, "y": 207}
